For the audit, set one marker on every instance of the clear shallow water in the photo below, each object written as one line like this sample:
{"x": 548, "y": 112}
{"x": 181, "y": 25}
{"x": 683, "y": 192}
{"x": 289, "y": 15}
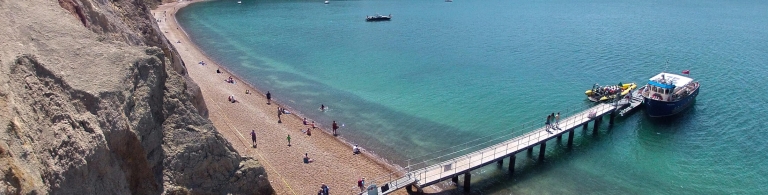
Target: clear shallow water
{"x": 440, "y": 74}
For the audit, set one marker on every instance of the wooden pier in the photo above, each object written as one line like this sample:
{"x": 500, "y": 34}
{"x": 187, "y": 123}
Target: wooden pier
{"x": 636, "y": 99}
{"x": 463, "y": 165}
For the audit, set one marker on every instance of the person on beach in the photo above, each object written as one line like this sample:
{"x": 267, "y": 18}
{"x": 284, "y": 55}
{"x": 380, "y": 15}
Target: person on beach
{"x": 361, "y": 184}
{"x": 557, "y": 120}
{"x": 218, "y": 71}
{"x": 309, "y": 132}
{"x": 305, "y": 121}
{"x": 253, "y": 138}
{"x": 307, "y": 160}
{"x": 313, "y": 125}
{"x": 335, "y": 126}
{"x": 355, "y": 150}
{"x": 232, "y": 99}
{"x": 247, "y": 91}
{"x": 325, "y": 189}
{"x": 269, "y": 97}
{"x": 279, "y": 113}
{"x": 289, "y": 139}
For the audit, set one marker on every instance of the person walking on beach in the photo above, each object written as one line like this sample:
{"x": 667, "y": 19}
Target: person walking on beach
{"x": 557, "y": 121}
{"x": 289, "y": 139}
{"x": 361, "y": 184}
{"x": 279, "y": 112}
{"x": 335, "y": 126}
{"x": 253, "y": 138}
{"x": 269, "y": 97}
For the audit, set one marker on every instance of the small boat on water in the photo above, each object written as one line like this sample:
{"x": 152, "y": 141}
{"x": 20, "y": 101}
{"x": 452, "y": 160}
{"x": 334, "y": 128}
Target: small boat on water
{"x": 378, "y": 17}
{"x": 448, "y": 0}
{"x": 667, "y": 94}
{"x": 239, "y": 2}
{"x": 604, "y": 93}
{"x": 327, "y": 2}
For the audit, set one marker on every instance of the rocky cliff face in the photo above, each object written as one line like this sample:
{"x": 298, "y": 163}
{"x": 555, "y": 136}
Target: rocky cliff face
{"x": 93, "y": 100}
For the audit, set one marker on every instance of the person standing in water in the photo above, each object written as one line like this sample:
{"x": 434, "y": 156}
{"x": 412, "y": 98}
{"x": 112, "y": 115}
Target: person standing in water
{"x": 322, "y": 107}
{"x": 335, "y": 126}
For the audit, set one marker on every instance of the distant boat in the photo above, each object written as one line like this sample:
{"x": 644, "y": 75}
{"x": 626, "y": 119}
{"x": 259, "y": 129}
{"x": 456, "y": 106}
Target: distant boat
{"x": 378, "y": 17}
{"x": 327, "y": 2}
{"x": 667, "y": 94}
{"x": 448, "y": 0}
{"x": 239, "y": 2}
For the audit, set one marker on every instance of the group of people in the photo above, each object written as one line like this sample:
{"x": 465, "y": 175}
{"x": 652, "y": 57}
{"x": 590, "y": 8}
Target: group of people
{"x": 324, "y": 189}
{"x": 553, "y": 122}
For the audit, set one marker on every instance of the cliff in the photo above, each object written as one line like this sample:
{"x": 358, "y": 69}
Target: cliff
{"x": 94, "y": 100}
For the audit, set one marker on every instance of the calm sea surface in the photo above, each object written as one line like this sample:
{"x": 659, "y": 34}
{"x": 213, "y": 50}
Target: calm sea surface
{"x": 442, "y": 74}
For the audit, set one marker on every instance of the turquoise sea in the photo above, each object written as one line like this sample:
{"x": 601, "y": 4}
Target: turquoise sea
{"x": 442, "y": 74}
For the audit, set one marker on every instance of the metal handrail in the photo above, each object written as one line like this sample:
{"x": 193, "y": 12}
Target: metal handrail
{"x": 422, "y": 172}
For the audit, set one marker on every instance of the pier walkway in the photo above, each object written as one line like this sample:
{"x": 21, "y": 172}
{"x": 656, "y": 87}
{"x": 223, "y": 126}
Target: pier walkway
{"x": 496, "y": 153}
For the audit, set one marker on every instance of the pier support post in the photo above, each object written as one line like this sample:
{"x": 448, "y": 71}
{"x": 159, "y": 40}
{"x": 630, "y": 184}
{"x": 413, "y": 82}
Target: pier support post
{"x": 530, "y": 150}
{"x": 455, "y": 179}
{"x": 500, "y": 162}
{"x": 597, "y": 124}
{"x": 570, "y": 138}
{"x": 559, "y": 138}
{"x": 467, "y": 177}
{"x": 585, "y": 126}
{"x": 512, "y": 165}
{"x": 613, "y": 115}
{"x": 542, "y": 149}
{"x": 409, "y": 189}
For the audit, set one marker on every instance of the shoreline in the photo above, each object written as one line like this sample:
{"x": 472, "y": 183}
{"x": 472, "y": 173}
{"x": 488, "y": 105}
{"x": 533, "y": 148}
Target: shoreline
{"x": 370, "y": 166}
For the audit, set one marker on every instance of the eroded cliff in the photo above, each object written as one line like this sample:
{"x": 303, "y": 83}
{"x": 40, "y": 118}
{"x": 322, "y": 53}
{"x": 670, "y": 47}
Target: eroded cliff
{"x": 93, "y": 100}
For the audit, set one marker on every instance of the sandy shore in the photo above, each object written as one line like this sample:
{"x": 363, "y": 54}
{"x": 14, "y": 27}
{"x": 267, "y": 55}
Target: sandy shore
{"x": 334, "y": 164}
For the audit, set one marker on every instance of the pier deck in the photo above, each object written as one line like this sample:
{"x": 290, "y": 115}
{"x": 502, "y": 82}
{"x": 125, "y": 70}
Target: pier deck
{"x": 496, "y": 153}
{"x": 635, "y": 101}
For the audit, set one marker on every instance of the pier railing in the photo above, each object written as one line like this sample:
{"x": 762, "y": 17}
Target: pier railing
{"x": 488, "y": 140}
{"x": 488, "y": 148}
{"x": 466, "y": 161}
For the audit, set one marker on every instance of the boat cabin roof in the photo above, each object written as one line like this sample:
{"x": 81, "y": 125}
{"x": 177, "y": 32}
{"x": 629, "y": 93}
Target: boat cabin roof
{"x": 668, "y": 80}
